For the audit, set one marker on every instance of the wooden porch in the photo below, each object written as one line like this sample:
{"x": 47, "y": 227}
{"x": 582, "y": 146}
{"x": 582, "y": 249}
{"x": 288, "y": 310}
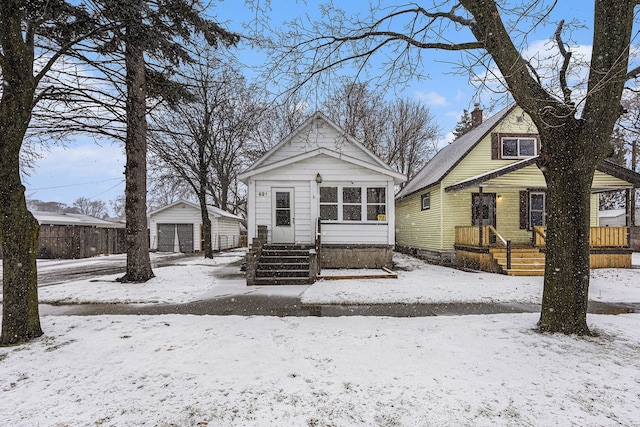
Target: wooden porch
{"x": 484, "y": 248}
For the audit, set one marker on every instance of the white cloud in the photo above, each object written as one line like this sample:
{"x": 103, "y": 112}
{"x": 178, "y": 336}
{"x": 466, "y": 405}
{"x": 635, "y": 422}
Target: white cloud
{"x": 432, "y": 99}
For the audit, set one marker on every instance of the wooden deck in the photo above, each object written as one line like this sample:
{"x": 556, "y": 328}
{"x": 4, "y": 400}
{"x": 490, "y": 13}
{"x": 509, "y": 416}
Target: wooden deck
{"x": 609, "y": 249}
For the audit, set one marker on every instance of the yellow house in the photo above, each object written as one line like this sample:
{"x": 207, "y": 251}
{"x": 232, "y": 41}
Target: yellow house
{"x": 480, "y": 202}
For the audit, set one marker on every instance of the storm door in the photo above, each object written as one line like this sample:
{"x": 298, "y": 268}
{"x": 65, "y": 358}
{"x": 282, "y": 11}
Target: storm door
{"x": 483, "y": 210}
{"x": 282, "y": 215}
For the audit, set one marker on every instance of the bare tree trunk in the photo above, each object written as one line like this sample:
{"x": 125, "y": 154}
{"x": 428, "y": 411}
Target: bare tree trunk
{"x": 207, "y": 246}
{"x": 567, "y": 267}
{"x": 18, "y": 228}
{"x": 137, "y": 238}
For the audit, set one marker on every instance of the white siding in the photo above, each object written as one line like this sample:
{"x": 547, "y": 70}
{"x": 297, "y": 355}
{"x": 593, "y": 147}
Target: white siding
{"x": 355, "y": 233}
{"x": 225, "y": 232}
{"x": 301, "y": 176}
{"x": 319, "y": 134}
{"x": 178, "y": 214}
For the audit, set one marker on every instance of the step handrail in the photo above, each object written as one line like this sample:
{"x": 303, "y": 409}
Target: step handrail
{"x": 540, "y": 231}
{"x": 507, "y": 243}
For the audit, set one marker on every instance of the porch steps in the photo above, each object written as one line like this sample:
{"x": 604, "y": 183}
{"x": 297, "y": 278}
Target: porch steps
{"x": 283, "y": 265}
{"x": 525, "y": 261}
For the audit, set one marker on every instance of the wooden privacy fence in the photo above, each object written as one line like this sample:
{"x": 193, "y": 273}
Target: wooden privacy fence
{"x": 73, "y": 241}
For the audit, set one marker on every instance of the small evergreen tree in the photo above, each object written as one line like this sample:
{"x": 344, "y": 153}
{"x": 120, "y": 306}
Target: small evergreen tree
{"x": 463, "y": 126}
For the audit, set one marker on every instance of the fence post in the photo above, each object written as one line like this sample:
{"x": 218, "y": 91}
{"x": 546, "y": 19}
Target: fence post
{"x": 508, "y": 254}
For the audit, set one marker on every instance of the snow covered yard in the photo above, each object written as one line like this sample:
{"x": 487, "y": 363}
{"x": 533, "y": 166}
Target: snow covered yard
{"x": 375, "y": 371}
{"x": 369, "y": 371}
{"x": 419, "y": 282}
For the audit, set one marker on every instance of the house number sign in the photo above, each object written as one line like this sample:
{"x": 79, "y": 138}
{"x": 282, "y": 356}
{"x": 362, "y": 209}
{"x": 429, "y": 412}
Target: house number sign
{"x": 262, "y": 193}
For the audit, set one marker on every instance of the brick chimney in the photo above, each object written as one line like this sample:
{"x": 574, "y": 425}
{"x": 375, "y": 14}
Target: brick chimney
{"x": 476, "y": 116}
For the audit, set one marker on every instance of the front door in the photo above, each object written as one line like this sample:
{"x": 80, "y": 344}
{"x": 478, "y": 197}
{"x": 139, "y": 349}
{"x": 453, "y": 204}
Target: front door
{"x": 282, "y": 215}
{"x": 483, "y": 211}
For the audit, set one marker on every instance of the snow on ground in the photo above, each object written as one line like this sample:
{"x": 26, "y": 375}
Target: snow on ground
{"x": 184, "y": 370}
{"x": 418, "y": 282}
{"x": 176, "y": 284}
{"x": 423, "y": 283}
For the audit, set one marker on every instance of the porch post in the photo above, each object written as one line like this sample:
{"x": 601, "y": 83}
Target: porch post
{"x": 631, "y": 207}
{"x": 479, "y": 212}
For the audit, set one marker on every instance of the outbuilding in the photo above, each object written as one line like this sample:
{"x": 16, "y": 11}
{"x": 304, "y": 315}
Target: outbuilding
{"x": 178, "y": 228}
{"x": 72, "y": 236}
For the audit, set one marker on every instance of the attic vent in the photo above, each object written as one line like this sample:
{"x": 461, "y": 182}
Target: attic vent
{"x": 520, "y": 119}
{"x": 319, "y": 123}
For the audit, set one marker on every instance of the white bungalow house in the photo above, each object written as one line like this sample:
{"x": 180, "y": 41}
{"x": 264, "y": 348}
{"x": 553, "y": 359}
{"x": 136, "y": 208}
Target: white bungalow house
{"x": 320, "y": 188}
{"x": 178, "y": 228}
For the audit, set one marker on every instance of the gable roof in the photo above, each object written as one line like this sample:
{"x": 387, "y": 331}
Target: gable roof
{"x": 436, "y": 169}
{"x": 606, "y": 166}
{"x": 369, "y": 160}
{"x": 213, "y": 210}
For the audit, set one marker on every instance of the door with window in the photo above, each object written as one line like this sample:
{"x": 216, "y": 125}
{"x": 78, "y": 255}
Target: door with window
{"x": 283, "y": 230}
{"x": 483, "y": 211}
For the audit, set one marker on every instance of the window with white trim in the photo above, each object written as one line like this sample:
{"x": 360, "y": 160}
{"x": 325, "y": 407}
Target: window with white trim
{"x": 329, "y": 203}
{"x": 537, "y": 208}
{"x": 425, "y": 199}
{"x": 353, "y": 203}
{"x": 376, "y": 204}
{"x": 518, "y": 148}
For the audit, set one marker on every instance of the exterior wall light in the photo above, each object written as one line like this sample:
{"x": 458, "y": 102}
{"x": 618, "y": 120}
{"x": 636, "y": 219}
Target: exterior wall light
{"x": 318, "y": 178}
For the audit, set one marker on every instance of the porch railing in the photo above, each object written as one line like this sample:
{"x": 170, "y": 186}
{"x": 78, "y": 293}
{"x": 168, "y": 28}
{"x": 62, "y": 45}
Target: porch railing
{"x": 470, "y": 235}
{"x": 599, "y": 237}
{"x": 539, "y": 235}
{"x": 506, "y": 242}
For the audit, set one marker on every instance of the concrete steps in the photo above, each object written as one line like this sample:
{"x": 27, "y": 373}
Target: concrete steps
{"x": 283, "y": 265}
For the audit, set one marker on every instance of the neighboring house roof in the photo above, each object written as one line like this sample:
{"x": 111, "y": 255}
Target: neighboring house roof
{"x": 612, "y": 213}
{"x": 369, "y": 161}
{"x": 213, "y": 210}
{"x": 58, "y": 218}
{"x": 436, "y": 169}
{"x": 606, "y": 166}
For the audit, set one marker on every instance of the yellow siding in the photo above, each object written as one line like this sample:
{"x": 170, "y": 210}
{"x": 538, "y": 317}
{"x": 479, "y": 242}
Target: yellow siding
{"x": 604, "y": 180}
{"x": 479, "y": 159}
{"x": 418, "y": 228}
{"x": 457, "y": 212}
{"x": 529, "y": 177}
{"x": 594, "y": 210}
{"x": 435, "y": 228}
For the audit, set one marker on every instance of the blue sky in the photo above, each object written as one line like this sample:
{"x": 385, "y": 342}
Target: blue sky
{"x": 84, "y": 169}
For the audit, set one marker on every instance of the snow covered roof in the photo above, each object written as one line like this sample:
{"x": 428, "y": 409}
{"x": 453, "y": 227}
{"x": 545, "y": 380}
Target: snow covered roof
{"x": 213, "y": 210}
{"x": 612, "y": 213}
{"x": 58, "y": 218}
{"x": 447, "y": 158}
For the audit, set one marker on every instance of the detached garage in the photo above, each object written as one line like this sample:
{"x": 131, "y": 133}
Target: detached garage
{"x": 178, "y": 228}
